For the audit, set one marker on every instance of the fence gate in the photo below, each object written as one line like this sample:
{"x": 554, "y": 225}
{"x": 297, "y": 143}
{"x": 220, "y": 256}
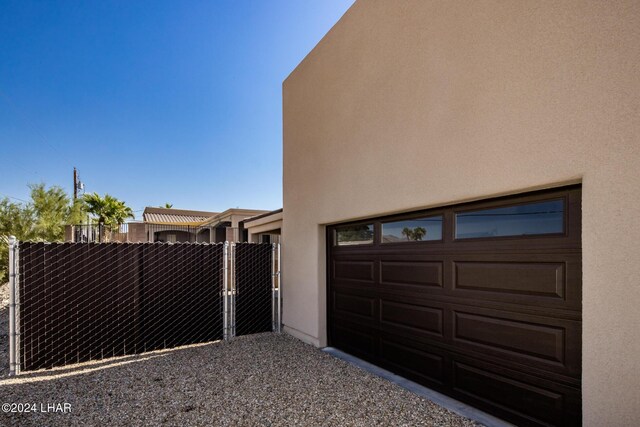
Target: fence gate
{"x": 75, "y": 302}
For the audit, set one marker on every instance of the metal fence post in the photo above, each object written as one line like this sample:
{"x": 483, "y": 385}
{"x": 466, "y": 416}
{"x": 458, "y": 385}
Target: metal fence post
{"x": 14, "y": 365}
{"x": 225, "y": 291}
{"x": 279, "y": 280}
{"x": 276, "y": 303}
{"x": 274, "y": 308}
{"x": 233, "y": 290}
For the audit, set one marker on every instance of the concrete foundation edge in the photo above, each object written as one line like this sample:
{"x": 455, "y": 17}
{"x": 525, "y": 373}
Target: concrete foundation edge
{"x": 438, "y": 398}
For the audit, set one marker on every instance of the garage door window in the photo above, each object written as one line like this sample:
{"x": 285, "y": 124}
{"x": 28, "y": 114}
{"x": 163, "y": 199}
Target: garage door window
{"x": 412, "y": 230}
{"x": 354, "y": 235}
{"x": 545, "y": 217}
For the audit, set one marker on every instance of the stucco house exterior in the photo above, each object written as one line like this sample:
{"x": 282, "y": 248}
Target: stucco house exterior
{"x": 263, "y": 228}
{"x": 162, "y": 224}
{"x": 172, "y": 225}
{"x": 460, "y": 188}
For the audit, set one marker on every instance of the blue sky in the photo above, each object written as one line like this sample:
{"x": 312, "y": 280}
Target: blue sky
{"x": 153, "y": 101}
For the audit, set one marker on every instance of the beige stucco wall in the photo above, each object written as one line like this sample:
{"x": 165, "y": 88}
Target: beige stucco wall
{"x": 412, "y": 104}
{"x": 137, "y": 232}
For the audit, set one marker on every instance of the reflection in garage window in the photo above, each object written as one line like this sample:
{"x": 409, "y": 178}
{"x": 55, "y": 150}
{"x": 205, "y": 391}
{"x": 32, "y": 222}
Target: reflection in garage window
{"x": 412, "y": 230}
{"x": 354, "y": 235}
{"x": 533, "y": 218}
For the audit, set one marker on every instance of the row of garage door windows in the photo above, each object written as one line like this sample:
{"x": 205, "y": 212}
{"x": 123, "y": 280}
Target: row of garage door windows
{"x": 535, "y": 218}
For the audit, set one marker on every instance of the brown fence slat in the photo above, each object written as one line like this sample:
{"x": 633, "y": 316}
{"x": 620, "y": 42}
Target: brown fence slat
{"x": 38, "y": 297}
{"x": 26, "y": 273}
{"x": 55, "y": 303}
{"x": 253, "y": 270}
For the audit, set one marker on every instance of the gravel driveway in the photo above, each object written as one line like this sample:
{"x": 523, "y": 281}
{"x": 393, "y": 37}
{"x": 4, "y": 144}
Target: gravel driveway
{"x": 264, "y": 379}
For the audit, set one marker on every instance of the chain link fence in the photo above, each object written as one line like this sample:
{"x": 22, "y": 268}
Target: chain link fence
{"x": 75, "y": 302}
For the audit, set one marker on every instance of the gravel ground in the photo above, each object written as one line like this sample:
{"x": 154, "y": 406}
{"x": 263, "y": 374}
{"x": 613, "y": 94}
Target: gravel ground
{"x": 265, "y": 379}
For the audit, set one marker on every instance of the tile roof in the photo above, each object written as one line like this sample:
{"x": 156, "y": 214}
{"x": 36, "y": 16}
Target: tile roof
{"x": 175, "y": 216}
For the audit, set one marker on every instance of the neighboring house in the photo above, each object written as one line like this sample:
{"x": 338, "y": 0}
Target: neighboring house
{"x": 175, "y": 225}
{"x": 230, "y": 220}
{"x": 263, "y": 228}
{"x": 505, "y": 138}
{"x": 172, "y": 225}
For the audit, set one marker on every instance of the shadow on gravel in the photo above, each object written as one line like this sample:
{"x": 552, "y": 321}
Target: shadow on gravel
{"x": 93, "y": 366}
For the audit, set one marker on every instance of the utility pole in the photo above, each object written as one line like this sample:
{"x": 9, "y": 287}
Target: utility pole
{"x": 75, "y": 183}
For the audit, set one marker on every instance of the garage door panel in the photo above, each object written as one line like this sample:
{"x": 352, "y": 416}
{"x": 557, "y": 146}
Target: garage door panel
{"x": 525, "y": 339}
{"x": 517, "y": 397}
{"x": 415, "y": 319}
{"x": 355, "y": 339}
{"x": 542, "y": 342}
{"x": 354, "y": 305}
{"x": 513, "y": 395}
{"x": 434, "y": 250}
{"x": 348, "y": 271}
{"x": 531, "y": 278}
{"x": 545, "y": 345}
{"x": 543, "y": 280}
{"x": 364, "y": 291}
{"x": 427, "y": 367}
{"x": 431, "y": 298}
{"x": 531, "y": 244}
{"x": 354, "y": 322}
{"x": 412, "y": 274}
{"x": 408, "y": 293}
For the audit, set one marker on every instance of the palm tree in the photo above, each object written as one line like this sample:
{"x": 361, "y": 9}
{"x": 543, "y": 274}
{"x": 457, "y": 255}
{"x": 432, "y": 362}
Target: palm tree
{"x": 121, "y": 213}
{"x": 407, "y": 232}
{"x": 167, "y": 205}
{"x": 109, "y": 212}
{"x": 98, "y": 206}
{"x": 419, "y": 233}
{"x": 416, "y": 233}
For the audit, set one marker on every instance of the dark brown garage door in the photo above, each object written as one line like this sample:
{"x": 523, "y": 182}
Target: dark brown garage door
{"x": 480, "y": 301}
